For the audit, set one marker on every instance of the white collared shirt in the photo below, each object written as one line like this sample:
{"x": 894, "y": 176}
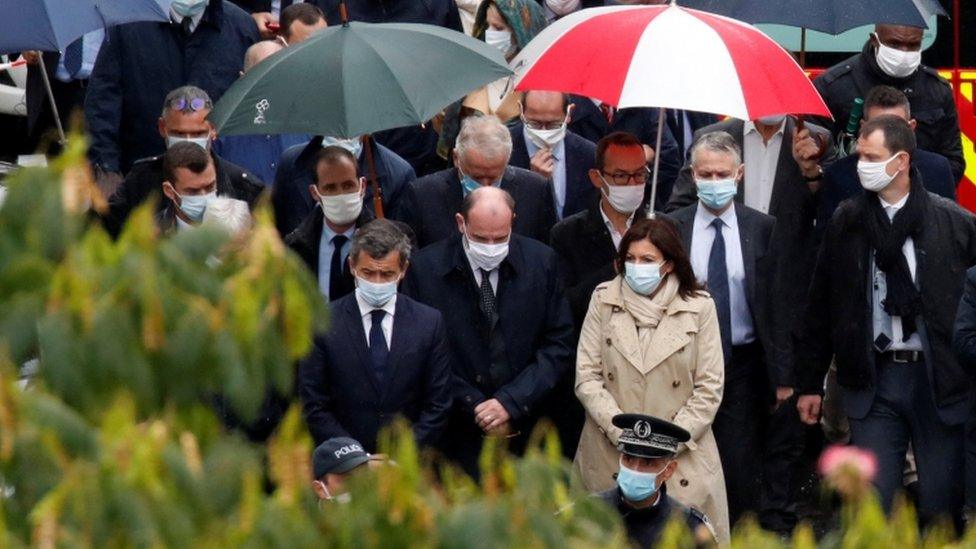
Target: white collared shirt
{"x": 366, "y": 310}
{"x": 194, "y": 21}
{"x": 558, "y": 170}
{"x": 492, "y": 276}
{"x": 880, "y": 286}
{"x": 614, "y": 235}
{"x": 761, "y": 160}
{"x": 743, "y": 329}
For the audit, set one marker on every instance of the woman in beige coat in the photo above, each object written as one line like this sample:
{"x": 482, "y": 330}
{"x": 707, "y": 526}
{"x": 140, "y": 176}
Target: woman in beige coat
{"x": 650, "y": 344}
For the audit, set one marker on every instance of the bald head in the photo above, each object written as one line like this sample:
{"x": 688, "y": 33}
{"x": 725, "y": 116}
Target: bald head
{"x": 259, "y": 52}
{"x": 486, "y": 215}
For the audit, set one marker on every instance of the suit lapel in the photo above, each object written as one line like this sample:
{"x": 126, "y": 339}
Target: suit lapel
{"x": 357, "y": 335}
{"x": 453, "y": 195}
{"x": 747, "y": 241}
{"x": 669, "y": 336}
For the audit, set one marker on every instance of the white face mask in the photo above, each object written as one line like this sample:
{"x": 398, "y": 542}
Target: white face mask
{"x": 546, "y": 139}
{"x": 873, "y": 175}
{"x": 499, "y": 39}
{"x": 623, "y": 198}
{"x": 203, "y": 142}
{"x": 897, "y": 63}
{"x": 774, "y": 120}
{"x": 341, "y": 209}
{"x": 485, "y": 256}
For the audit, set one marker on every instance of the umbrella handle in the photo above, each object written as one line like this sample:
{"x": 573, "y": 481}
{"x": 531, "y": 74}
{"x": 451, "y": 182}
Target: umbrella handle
{"x": 343, "y": 13}
{"x": 373, "y": 180}
{"x": 657, "y": 161}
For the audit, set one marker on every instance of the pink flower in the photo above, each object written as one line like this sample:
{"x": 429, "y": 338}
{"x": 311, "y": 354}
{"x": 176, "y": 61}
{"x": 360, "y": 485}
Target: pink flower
{"x": 848, "y": 469}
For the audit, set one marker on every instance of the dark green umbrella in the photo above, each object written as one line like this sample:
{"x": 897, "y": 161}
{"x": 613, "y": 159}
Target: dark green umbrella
{"x": 356, "y": 79}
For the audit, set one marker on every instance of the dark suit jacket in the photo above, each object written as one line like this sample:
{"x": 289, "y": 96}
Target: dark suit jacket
{"x": 586, "y": 253}
{"x": 533, "y": 318}
{"x": 964, "y": 336}
{"x": 838, "y": 319}
{"x": 296, "y": 171}
{"x": 304, "y": 241}
{"x": 145, "y": 181}
{"x": 580, "y": 159}
{"x": 343, "y": 398}
{"x": 759, "y": 260}
{"x": 840, "y": 182}
{"x": 589, "y": 123}
{"x": 442, "y": 13}
{"x": 432, "y": 201}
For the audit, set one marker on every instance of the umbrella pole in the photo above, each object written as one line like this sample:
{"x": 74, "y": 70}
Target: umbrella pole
{"x": 50, "y": 97}
{"x": 657, "y": 161}
{"x": 803, "y": 48}
{"x": 373, "y": 181}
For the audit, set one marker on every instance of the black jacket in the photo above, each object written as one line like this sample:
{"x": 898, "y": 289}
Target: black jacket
{"x": 964, "y": 337}
{"x": 838, "y": 318}
{"x": 140, "y": 63}
{"x": 586, "y": 254}
{"x": 341, "y": 395}
{"x": 589, "y": 123}
{"x": 645, "y": 526}
{"x": 146, "y": 181}
{"x": 432, "y": 201}
{"x": 930, "y": 95}
{"x": 759, "y": 260}
{"x": 442, "y": 13}
{"x": 304, "y": 241}
{"x": 580, "y": 159}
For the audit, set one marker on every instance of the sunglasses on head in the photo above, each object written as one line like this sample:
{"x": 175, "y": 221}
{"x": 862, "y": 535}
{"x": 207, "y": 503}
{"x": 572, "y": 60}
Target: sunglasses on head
{"x": 183, "y": 104}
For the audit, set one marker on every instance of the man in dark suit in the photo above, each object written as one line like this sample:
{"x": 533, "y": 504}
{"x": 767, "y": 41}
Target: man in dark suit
{"x": 542, "y": 143}
{"x": 883, "y": 301}
{"x": 964, "y": 343}
{"x": 139, "y": 63}
{"x": 184, "y": 119}
{"x": 324, "y": 238}
{"x": 684, "y": 124}
{"x": 593, "y": 121}
{"x": 730, "y": 245}
{"x": 289, "y": 196}
{"x": 481, "y": 157}
{"x": 385, "y": 355}
{"x": 840, "y": 178}
{"x": 510, "y": 326}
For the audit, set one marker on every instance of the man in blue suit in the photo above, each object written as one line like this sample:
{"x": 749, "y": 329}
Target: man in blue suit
{"x": 511, "y": 330}
{"x": 296, "y": 171}
{"x": 542, "y": 143}
{"x": 840, "y": 178}
{"x": 384, "y": 356}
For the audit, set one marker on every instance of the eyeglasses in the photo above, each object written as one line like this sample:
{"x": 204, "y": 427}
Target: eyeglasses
{"x": 184, "y": 104}
{"x": 623, "y": 178}
{"x": 533, "y": 125}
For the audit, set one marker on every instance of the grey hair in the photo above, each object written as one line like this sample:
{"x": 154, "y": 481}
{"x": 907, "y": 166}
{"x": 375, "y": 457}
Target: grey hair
{"x": 227, "y": 213}
{"x": 259, "y": 51}
{"x": 486, "y": 134}
{"x": 720, "y": 142}
{"x": 187, "y": 93}
{"x": 378, "y": 238}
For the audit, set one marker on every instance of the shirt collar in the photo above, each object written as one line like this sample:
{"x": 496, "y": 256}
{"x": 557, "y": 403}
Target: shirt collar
{"x": 194, "y": 20}
{"x": 328, "y": 234}
{"x": 704, "y": 216}
{"x": 897, "y": 205}
{"x": 750, "y": 127}
{"x": 557, "y": 151}
{"x": 606, "y": 220}
{"x": 365, "y": 308}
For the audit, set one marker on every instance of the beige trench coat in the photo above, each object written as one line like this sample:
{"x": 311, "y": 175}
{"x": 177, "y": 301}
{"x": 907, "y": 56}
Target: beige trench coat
{"x": 680, "y": 380}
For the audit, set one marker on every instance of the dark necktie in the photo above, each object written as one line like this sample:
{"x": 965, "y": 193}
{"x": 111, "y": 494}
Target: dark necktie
{"x": 187, "y": 25}
{"x": 718, "y": 285}
{"x": 379, "y": 353}
{"x": 335, "y": 270}
{"x": 73, "y": 55}
{"x": 487, "y": 296}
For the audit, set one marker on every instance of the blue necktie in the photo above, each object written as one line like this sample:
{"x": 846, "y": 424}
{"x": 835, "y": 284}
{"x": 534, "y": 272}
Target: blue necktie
{"x": 379, "y": 353}
{"x": 718, "y": 285}
{"x": 73, "y": 55}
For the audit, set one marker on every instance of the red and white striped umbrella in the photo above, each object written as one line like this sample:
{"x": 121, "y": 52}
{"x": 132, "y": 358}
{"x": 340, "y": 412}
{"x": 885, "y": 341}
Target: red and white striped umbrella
{"x": 667, "y": 56}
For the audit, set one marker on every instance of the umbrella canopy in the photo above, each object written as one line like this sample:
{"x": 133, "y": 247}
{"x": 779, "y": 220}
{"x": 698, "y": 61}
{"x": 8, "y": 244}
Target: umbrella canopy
{"x": 627, "y": 57}
{"x": 829, "y": 16}
{"x": 357, "y": 79}
{"x": 51, "y": 25}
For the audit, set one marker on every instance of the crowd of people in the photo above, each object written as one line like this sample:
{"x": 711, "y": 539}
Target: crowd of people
{"x": 516, "y": 270}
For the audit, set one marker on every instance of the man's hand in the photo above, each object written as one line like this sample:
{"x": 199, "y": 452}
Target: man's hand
{"x": 783, "y": 394}
{"x": 32, "y": 56}
{"x": 262, "y": 19}
{"x": 108, "y": 182}
{"x": 809, "y": 408}
{"x": 806, "y": 152}
{"x": 490, "y": 415}
{"x": 542, "y": 163}
{"x": 648, "y": 154}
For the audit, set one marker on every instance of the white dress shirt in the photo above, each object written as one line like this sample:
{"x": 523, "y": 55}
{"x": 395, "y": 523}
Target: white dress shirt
{"x": 558, "y": 170}
{"x": 761, "y": 159}
{"x": 366, "y": 310}
{"x": 194, "y": 20}
{"x": 614, "y": 235}
{"x": 492, "y": 276}
{"x": 703, "y": 235}
{"x": 326, "y": 249}
{"x": 880, "y": 287}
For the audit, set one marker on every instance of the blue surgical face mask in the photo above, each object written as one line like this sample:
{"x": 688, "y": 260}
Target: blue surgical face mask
{"x": 636, "y": 486}
{"x": 376, "y": 294}
{"x": 716, "y": 193}
{"x": 643, "y": 278}
{"x": 194, "y": 206}
{"x": 189, "y": 8}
